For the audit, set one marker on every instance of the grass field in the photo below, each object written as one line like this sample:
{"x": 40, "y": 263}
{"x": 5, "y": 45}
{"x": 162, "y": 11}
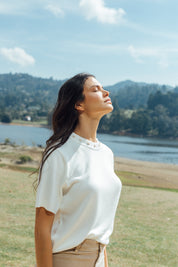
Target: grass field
{"x": 145, "y": 233}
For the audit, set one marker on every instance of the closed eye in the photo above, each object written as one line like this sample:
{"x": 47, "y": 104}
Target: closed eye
{"x": 97, "y": 88}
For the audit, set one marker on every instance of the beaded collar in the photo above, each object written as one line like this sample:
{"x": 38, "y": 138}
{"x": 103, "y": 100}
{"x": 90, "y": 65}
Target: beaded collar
{"x": 84, "y": 141}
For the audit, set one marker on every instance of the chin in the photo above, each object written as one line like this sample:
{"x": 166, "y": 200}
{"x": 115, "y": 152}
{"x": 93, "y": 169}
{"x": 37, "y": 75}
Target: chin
{"x": 109, "y": 109}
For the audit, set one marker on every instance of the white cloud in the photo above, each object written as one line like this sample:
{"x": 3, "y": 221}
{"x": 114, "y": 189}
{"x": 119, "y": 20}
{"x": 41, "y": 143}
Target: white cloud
{"x": 17, "y": 55}
{"x": 95, "y": 9}
{"x": 139, "y": 53}
{"x": 55, "y": 10}
{"x": 18, "y": 7}
{"x": 163, "y": 56}
{"x": 10, "y": 8}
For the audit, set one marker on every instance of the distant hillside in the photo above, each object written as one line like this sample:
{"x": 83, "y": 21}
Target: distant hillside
{"x": 23, "y": 95}
{"x": 176, "y": 89}
{"x": 27, "y": 94}
{"x": 129, "y": 94}
{"x": 26, "y": 87}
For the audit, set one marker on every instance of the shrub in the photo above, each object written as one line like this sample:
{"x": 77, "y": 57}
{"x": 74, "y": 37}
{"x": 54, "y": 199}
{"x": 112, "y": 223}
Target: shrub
{"x": 24, "y": 159}
{"x": 5, "y": 118}
{"x": 7, "y": 141}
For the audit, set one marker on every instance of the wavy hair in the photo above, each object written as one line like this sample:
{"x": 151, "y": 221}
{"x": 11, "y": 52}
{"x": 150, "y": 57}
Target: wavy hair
{"x": 65, "y": 116}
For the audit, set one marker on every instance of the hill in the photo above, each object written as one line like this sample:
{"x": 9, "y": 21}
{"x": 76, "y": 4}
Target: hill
{"x": 24, "y": 85}
{"x": 129, "y": 94}
{"x": 25, "y": 93}
{"x": 128, "y": 83}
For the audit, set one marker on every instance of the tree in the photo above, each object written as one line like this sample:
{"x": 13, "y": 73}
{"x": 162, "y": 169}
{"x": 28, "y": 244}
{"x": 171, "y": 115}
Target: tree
{"x": 114, "y": 121}
{"x": 5, "y": 118}
{"x": 163, "y": 124}
{"x": 140, "y": 122}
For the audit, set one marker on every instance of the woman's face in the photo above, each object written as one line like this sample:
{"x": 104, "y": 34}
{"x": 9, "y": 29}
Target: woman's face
{"x": 97, "y": 102}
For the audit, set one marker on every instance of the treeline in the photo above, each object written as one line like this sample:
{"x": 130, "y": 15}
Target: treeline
{"x": 159, "y": 118}
{"x": 23, "y": 95}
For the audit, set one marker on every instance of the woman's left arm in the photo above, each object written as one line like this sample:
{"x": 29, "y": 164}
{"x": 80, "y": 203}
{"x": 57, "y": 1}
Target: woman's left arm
{"x": 105, "y": 258}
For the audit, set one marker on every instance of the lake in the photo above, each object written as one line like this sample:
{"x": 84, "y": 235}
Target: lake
{"x": 146, "y": 149}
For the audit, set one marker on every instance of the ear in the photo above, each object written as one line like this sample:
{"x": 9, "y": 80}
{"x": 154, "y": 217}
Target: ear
{"x": 79, "y": 106}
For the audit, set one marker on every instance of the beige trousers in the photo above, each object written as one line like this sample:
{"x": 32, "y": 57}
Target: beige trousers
{"x": 89, "y": 253}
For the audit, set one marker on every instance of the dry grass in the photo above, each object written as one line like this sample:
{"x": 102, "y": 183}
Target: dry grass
{"x": 141, "y": 173}
{"x": 145, "y": 231}
{"x": 17, "y": 219}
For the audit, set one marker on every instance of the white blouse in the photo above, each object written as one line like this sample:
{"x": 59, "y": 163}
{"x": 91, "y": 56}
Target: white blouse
{"x": 79, "y": 186}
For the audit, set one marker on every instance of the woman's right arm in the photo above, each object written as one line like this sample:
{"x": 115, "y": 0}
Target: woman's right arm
{"x": 43, "y": 245}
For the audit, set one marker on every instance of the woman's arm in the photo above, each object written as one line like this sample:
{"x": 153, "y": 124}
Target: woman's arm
{"x": 105, "y": 258}
{"x": 43, "y": 245}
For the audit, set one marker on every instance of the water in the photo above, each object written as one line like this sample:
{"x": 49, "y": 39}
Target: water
{"x": 27, "y": 135}
{"x": 146, "y": 149}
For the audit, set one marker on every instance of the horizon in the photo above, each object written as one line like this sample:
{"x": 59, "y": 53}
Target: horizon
{"x": 114, "y": 40}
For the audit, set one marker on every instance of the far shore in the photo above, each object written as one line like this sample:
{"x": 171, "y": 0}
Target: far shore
{"x": 25, "y": 123}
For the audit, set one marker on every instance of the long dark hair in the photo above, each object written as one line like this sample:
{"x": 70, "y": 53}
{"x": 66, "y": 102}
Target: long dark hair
{"x": 65, "y": 116}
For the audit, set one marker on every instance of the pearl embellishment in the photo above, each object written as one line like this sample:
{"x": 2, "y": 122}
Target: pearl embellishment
{"x": 85, "y": 141}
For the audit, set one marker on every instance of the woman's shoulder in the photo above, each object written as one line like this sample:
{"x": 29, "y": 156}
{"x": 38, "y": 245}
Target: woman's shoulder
{"x": 64, "y": 151}
{"x": 54, "y": 156}
{"x": 106, "y": 148}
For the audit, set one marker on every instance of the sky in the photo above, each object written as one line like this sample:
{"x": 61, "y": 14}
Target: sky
{"x": 115, "y": 40}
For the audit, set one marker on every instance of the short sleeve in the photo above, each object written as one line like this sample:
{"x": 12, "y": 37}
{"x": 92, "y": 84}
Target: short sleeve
{"x": 49, "y": 191}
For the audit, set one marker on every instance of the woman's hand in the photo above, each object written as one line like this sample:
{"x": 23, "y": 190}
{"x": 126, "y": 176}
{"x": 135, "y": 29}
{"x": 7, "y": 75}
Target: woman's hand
{"x": 43, "y": 245}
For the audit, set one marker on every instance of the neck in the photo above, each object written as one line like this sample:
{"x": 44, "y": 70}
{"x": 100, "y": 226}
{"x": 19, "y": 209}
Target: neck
{"x": 87, "y": 128}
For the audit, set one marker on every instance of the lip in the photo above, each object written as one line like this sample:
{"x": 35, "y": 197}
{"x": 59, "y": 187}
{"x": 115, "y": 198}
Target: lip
{"x": 108, "y": 100}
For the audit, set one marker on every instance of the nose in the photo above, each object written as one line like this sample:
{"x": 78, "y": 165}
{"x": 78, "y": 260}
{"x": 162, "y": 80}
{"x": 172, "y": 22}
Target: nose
{"x": 105, "y": 92}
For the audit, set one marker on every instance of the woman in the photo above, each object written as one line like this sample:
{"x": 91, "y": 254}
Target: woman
{"x": 78, "y": 191}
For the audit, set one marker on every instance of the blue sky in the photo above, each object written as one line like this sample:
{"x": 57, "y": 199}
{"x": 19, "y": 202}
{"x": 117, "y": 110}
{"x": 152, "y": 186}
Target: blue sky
{"x": 113, "y": 39}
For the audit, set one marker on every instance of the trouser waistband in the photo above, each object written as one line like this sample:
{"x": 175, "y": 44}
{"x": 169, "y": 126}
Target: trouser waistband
{"x": 91, "y": 242}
